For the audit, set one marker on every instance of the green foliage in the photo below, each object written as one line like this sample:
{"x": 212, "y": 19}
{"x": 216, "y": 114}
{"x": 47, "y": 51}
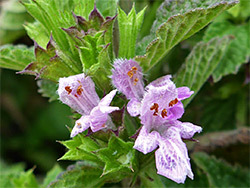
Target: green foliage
{"x": 7, "y": 173}
{"x": 221, "y": 174}
{"x": 25, "y": 179}
{"x": 179, "y": 27}
{"x": 15, "y": 57}
{"x": 237, "y": 51}
{"x": 48, "y": 89}
{"x": 200, "y": 64}
{"x": 118, "y": 156}
{"x": 12, "y": 17}
{"x": 107, "y": 7}
{"x": 48, "y": 64}
{"x": 51, "y": 175}
{"x": 129, "y": 27}
{"x": 84, "y": 175}
{"x": 81, "y": 148}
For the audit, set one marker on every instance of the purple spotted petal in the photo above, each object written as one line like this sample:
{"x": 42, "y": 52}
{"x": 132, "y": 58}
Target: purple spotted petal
{"x": 134, "y": 107}
{"x": 127, "y": 78}
{"x": 172, "y": 159}
{"x": 146, "y": 142}
{"x": 81, "y": 125}
{"x": 79, "y": 93}
{"x": 184, "y": 93}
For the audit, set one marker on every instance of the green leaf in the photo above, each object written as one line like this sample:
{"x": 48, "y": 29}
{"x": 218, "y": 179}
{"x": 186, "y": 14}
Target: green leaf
{"x": 108, "y": 8}
{"x": 48, "y": 89}
{"x": 7, "y": 173}
{"x": 84, "y": 175}
{"x": 183, "y": 22}
{"x": 38, "y": 33}
{"x": 48, "y": 64}
{"x": 81, "y": 148}
{"x": 15, "y": 57}
{"x": 119, "y": 155}
{"x": 42, "y": 11}
{"x": 25, "y": 179}
{"x": 12, "y": 17}
{"x": 237, "y": 51}
{"x": 221, "y": 174}
{"x": 129, "y": 27}
{"x": 200, "y": 64}
{"x": 51, "y": 175}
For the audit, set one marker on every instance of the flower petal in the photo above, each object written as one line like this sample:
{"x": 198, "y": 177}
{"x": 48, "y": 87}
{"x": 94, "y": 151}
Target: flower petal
{"x": 176, "y": 111}
{"x": 105, "y": 101}
{"x": 172, "y": 159}
{"x": 78, "y": 92}
{"x": 80, "y": 125}
{"x": 188, "y": 130}
{"x": 134, "y": 107}
{"x": 146, "y": 142}
{"x": 184, "y": 93}
{"x": 127, "y": 78}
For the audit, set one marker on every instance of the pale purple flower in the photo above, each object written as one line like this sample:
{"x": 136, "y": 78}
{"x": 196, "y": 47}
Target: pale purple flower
{"x": 159, "y": 101}
{"x": 79, "y": 93}
{"x": 171, "y": 156}
{"x": 159, "y": 106}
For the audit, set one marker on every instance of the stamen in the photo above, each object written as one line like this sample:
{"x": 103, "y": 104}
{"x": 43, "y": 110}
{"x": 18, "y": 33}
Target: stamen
{"x": 130, "y": 74}
{"x": 135, "y": 81}
{"x": 79, "y": 90}
{"x": 173, "y": 102}
{"x": 164, "y": 113}
{"x": 134, "y": 69}
{"x": 155, "y": 108}
{"x": 67, "y": 88}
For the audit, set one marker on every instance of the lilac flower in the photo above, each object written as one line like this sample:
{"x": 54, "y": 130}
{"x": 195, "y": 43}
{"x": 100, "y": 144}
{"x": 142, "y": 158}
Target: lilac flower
{"x": 159, "y": 106}
{"x": 79, "y": 93}
{"x": 171, "y": 157}
{"x": 159, "y": 101}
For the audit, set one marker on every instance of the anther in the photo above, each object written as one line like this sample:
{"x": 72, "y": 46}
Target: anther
{"x": 164, "y": 113}
{"x": 173, "y": 102}
{"x": 135, "y": 81}
{"x": 155, "y": 108}
{"x": 79, "y": 90}
{"x": 134, "y": 69}
{"x": 67, "y": 88}
{"x": 130, "y": 74}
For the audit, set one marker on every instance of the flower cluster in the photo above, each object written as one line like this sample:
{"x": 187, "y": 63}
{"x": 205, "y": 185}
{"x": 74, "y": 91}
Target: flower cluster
{"x": 158, "y": 105}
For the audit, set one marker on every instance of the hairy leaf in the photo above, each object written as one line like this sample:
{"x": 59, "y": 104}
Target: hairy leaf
{"x": 15, "y": 57}
{"x": 7, "y": 173}
{"x": 236, "y": 53}
{"x": 119, "y": 155}
{"x": 221, "y": 174}
{"x": 129, "y": 26}
{"x": 48, "y": 89}
{"x": 200, "y": 64}
{"x": 48, "y": 64}
{"x": 25, "y": 179}
{"x": 107, "y": 7}
{"x": 51, "y": 175}
{"x": 177, "y": 24}
{"x": 62, "y": 17}
{"x": 80, "y": 148}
